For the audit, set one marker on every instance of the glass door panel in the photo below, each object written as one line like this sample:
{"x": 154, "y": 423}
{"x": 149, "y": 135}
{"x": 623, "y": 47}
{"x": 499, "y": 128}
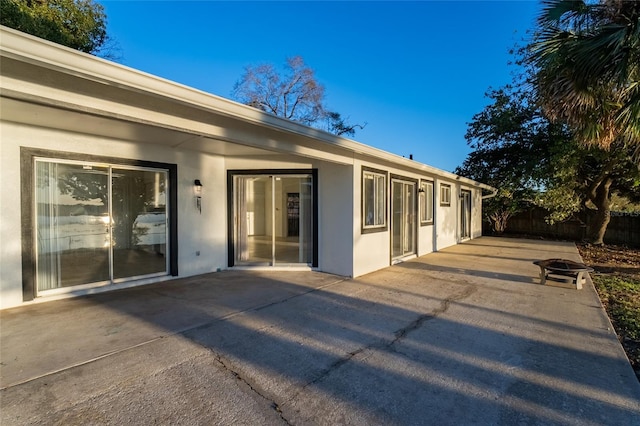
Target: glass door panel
{"x": 409, "y": 219}
{"x": 293, "y": 219}
{"x": 96, "y": 223}
{"x": 403, "y": 207}
{"x": 465, "y": 215}
{"x": 273, "y": 219}
{"x": 139, "y": 220}
{"x": 72, "y": 221}
{"x": 253, "y": 217}
{"x": 396, "y": 219}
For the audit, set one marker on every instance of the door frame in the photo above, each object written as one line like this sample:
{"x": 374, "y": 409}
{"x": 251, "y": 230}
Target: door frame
{"x": 28, "y": 157}
{"x": 469, "y": 208}
{"x": 269, "y": 172}
{"x": 414, "y": 212}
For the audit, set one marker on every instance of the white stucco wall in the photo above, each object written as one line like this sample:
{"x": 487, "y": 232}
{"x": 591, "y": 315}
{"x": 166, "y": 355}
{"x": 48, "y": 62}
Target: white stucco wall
{"x": 336, "y": 217}
{"x": 426, "y": 239}
{"x": 372, "y": 251}
{"x": 10, "y": 214}
{"x": 447, "y": 217}
{"x": 476, "y": 214}
{"x": 205, "y": 232}
{"x": 202, "y": 237}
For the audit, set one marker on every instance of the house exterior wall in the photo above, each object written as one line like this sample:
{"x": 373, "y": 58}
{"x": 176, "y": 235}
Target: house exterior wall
{"x": 62, "y": 101}
{"x": 335, "y": 216}
{"x": 476, "y": 214}
{"x": 198, "y": 232}
{"x": 372, "y": 251}
{"x": 447, "y": 218}
{"x": 335, "y": 209}
{"x": 202, "y": 238}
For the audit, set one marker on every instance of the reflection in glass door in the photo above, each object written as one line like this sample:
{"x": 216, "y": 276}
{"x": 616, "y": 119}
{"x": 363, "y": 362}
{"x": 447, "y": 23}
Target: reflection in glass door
{"x": 72, "y": 222}
{"x": 403, "y": 228}
{"x": 97, "y": 223}
{"x": 273, "y": 219}
{"x": 139, "y": 219}
{"x": 465, "y": 215}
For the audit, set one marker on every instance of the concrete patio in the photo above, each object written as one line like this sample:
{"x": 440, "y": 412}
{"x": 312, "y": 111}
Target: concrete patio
{"x": 463, "y": 336}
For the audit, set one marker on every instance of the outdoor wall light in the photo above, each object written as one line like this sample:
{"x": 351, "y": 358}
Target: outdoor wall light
{"x": 420, "y": 190}
{"x": 197, "y": 189}
{"x": 197, "y": 186}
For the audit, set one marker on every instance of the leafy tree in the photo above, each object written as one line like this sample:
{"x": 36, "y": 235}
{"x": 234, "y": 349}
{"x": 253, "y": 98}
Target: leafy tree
{"x": 587, "y": 178}
{"x": 587, "y": 57}
{"x": 79, "y": 24}
{"x": 294, "y": 94}
{"x": 533, "y": 160}
{"x": 510, "y": 142}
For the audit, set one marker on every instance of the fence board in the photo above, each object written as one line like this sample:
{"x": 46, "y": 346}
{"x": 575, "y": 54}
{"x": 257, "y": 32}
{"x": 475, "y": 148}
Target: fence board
{"x": 623, "y": 229}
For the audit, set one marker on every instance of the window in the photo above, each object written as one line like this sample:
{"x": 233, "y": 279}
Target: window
{"x": 426, "y": 202}
{"x": 445, "y": 195}
{"x": 374, "y": 199}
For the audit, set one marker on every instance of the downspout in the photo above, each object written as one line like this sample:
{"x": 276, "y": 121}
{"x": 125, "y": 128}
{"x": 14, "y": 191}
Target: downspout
{"x": 494, "y": 192}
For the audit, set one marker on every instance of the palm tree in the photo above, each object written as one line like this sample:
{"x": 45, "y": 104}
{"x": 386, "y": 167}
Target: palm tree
{"x": 587, "y": 61}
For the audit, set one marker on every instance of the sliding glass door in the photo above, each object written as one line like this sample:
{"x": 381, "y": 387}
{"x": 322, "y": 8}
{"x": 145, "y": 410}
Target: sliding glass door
{"x": 465, "y": 214}
{"x": 273, "y": 219}
{"x": 403, "y": 218}
{"x": 98, "y": 223}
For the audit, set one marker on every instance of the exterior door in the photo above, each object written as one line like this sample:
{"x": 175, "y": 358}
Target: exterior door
{"x": 273, "y": 219}
{"x": 403, "y": 218}
{"x": 465, "y": 215}
{"x": 98, "y": 223}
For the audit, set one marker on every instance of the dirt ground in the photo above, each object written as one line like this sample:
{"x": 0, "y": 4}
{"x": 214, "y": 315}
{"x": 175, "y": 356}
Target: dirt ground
{"x": 621, "y": 262}
{"x": 612, "y": 259}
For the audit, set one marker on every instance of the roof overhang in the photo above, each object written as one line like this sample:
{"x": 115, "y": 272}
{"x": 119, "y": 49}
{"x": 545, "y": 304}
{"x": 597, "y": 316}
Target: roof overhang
{"x": 49, "y": 85}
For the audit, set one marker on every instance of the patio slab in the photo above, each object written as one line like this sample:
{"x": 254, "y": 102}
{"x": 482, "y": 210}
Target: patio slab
{"x": 466, "y": 335}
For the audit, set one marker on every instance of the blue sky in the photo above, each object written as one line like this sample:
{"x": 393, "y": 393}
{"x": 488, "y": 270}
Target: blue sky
{"x": 416, "y": 72}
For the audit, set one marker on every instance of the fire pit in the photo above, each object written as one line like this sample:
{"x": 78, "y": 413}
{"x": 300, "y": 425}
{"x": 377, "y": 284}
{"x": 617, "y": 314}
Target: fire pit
{"x": 550, "y": 268}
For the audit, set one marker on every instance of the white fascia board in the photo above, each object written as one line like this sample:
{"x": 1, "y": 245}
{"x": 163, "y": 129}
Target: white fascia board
{"x": 27, "y": 48}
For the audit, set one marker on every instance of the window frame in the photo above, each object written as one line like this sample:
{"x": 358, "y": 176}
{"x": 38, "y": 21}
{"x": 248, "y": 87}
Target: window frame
{"x": 425, "y": 193}
{"x": 384, "y": 226}
{"x": 445, "y": 195}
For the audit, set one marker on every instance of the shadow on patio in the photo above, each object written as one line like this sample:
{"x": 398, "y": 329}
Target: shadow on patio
{"x": 399, "y": 346}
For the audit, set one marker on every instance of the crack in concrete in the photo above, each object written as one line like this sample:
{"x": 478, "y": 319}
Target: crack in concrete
{"x": 272, "y": 404}
{"x": 399, "y": 335}
{"x": 444, "y": 307}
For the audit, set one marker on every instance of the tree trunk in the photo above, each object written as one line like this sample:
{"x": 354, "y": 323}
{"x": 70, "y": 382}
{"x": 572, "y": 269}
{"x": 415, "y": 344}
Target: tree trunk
{"x": 500, "y": 219}
{"x": 602, "y": 202}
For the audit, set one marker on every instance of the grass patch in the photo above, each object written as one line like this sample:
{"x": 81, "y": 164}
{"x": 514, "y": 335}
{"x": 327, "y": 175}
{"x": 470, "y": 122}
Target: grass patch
{"x": 620, "y": 296}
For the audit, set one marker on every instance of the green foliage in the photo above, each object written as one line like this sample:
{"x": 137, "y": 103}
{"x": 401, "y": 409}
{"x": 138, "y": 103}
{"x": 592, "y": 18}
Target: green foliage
{"x": 512, "y": 144}
{"x": 540, "y": 158}
{"x": 561, "y": 202}
{"x": 621, "y": 295}
{"x": 623, "y": 204}
{"x": 587, "y": 61}
{"x": 79, "y": 24}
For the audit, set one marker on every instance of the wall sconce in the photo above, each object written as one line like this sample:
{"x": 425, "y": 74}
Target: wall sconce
{"x": 421, "y": 190}
{"x": 197, "y": 189}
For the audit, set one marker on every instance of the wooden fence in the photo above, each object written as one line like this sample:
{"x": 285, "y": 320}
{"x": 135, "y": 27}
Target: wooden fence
{"x": 623, "y": 229}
